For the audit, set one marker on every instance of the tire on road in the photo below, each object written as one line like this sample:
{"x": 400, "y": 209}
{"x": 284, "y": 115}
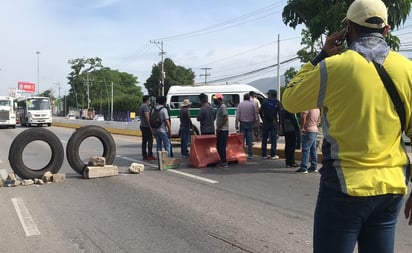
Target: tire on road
{"x": 82, "y": 133}
{"x": 22, "y": 140}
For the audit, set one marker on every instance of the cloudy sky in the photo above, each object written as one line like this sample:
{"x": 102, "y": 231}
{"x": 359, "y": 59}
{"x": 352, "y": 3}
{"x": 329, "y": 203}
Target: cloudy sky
{"x": 231, "y": 37}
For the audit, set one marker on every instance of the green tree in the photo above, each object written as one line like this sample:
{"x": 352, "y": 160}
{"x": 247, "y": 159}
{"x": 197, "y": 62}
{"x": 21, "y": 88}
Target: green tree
{"x": 175, "y": 75}
{"x": 89, "y": 75}
{"x": 325, "y": 17}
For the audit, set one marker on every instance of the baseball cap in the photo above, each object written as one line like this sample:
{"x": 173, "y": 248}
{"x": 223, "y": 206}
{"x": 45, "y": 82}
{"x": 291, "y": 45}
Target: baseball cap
{"x": 218, "y": 96}
{"x": 362, "y": 10}
{"x": 272, "y": 92}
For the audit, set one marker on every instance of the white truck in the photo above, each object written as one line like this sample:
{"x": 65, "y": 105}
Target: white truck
{"x": 7, "y": 114}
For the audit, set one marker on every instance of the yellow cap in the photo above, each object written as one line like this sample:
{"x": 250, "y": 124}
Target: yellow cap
{"x": 361, "y": 10}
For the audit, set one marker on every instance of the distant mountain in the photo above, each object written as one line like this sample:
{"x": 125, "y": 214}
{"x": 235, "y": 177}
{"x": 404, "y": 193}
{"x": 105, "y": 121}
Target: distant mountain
{"x": 264, "y": 84}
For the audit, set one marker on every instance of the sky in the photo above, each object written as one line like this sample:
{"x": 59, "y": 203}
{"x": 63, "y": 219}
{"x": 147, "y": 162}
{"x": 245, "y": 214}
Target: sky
{"x": 229, "y": 37}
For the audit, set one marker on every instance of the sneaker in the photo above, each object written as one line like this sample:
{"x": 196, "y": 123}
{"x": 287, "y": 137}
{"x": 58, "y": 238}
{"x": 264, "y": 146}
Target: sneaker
{"x": 250, "y": 157}
{"x": 266, "y": 157}
{"x": 223, "y": 165}
{"x": 301, "y": 171}
{"x": 313, "y": 170}
{"x": 150, "y": 158}
{"x": 274, "y": 157}
{"x": 185, "y": 156}
{"x": 293, "y": 165}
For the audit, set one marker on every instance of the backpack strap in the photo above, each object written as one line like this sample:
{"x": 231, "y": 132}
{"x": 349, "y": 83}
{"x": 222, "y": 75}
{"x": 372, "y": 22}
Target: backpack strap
{"x": 393, "y": 93}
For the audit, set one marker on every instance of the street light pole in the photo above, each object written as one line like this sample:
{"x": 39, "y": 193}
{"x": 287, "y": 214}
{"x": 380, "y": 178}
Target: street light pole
{"x": 38, "y": 71}
{"x": 111, "y": 108}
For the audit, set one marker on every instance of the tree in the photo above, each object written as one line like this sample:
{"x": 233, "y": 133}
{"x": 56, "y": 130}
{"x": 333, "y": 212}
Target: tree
{"x": 90, "y": 79}
{"x": 175, "y": 75}
{"x": 325, "y": 17}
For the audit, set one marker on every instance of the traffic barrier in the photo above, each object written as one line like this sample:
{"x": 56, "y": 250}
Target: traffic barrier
{"x": 203, "y": 151}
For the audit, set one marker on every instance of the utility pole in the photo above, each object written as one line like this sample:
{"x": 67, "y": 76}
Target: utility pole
{"x": 205, "y": 74}
{"x": 111, "y": 108}
{"x": 38, "y": 71}
{"x": 278, "y": 69}
{"x": 59, "y": 87}
{"x": 87, "y": 81}
{"x": 162, "y": 53}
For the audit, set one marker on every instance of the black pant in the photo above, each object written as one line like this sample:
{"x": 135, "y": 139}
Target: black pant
{"x": 290, "y": 146}
{"x": 147, "y": 141}
{"x": 221, "y": 142}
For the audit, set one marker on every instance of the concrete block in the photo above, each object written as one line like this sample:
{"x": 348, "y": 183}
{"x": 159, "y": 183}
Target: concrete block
{"x": 97, "y": 171}
{"x": 136, "y": 168}
{"x": 47, "y": 177}
{"x": 97, "y": 161}
{"x": 27, "y": 182}
{"x": 169, "y": 163}
{"x": 59, "y": 178}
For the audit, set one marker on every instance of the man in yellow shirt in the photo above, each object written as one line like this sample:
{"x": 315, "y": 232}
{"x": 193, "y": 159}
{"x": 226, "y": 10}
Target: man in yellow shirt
{"x": 365, "y": 167}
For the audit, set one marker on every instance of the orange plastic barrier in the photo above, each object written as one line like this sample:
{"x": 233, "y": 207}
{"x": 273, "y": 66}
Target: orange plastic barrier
{"x": 203, "y": 151}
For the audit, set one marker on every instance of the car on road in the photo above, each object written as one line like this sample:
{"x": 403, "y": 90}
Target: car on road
{"x": 70, "y": 116}
{"x": 98, "y": 117}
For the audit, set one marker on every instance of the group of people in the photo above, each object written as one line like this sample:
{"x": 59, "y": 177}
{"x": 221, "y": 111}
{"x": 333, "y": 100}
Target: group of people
{"x": 275, "y": 120}
{"x": 207, "y": 118}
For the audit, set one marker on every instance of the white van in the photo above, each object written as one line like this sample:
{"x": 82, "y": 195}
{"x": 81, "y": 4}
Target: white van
{"x": 233, "y": 95}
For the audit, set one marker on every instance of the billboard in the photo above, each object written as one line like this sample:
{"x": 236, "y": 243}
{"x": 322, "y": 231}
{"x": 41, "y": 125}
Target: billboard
{"x": 26, "y": 86}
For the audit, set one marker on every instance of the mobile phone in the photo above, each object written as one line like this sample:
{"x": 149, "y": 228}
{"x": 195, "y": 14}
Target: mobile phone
{"x": 342, "y": 41}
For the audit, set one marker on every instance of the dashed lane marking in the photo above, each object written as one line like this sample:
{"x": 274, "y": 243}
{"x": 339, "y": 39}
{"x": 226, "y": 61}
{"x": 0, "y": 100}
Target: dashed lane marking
{"x": 25, "y": 218}
{"x": 174, "y": 171}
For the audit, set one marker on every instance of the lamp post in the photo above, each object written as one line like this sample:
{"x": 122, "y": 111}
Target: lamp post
{"x": 38, "y": 71}
{"x": 111, "y": 108}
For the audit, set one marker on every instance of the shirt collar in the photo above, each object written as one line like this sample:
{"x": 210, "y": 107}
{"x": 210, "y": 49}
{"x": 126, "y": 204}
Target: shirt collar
{"x": 372, "y": 47}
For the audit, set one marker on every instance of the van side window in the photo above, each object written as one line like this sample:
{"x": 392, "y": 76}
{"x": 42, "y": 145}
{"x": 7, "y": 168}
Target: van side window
{"x": 177, "y": 101}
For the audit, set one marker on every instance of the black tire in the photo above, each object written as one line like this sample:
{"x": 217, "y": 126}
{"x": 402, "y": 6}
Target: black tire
{"x": 73, "y": 146}
{"x": 22, "y": 140}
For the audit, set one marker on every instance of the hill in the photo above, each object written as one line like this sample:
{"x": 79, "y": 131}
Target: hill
{"x": 264, "y": 84}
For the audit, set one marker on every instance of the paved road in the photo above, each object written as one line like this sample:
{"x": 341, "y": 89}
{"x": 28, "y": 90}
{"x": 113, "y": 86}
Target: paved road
{"x": 259, "y": 206}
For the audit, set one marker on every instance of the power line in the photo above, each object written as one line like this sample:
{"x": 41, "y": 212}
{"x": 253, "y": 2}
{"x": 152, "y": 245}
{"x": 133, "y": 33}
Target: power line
{"x": 228, "y": 23}
{"x": 253, "y": 71}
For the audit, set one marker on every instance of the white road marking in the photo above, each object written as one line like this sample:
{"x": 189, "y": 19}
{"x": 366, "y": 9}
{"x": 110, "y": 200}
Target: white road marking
{"x": 193, "y": 176}
{"x": 25, "y": 218}
{"x": 174, "y": 171}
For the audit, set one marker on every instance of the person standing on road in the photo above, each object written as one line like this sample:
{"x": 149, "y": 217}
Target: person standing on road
{"x": 365, "y": 167}
{"x": 269, "y": 112}
{"x": 163, "y": 133}
{"x": 291, "y": 130}
{"x": 222, "y": 129}
{"x": 256, "y": 102}
{"x": 185, "y": 126}
{"x": 246, "y": 118}
{"x": 206, "y": 116}
{"x": 309, "y": 121}
{"x": 147, "y": 136}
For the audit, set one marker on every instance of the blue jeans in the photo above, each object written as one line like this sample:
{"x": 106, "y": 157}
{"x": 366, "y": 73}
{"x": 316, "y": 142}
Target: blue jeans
{"x": 269, "y": 129}
{"x": 246, "y": 128}
{"x": 163, "y": 138}
{"x": 341, "y": 220}
{"x": 309, "y": 150}
{"x": 221, "y": 142}
{"x": 184, "y": 140}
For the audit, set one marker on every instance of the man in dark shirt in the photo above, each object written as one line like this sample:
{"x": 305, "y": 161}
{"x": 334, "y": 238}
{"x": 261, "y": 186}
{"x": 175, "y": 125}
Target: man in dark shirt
{"x": 270, "y": 116}
{"x": 206, "y": 116}
{"x": 147, "y": 137}
{"x": 185, "y": 126}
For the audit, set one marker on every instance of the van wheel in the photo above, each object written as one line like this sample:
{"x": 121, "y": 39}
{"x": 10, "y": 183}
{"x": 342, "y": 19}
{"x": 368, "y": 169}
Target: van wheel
{"x": 22, "y": 140}
{"x": 82, "y": 133}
